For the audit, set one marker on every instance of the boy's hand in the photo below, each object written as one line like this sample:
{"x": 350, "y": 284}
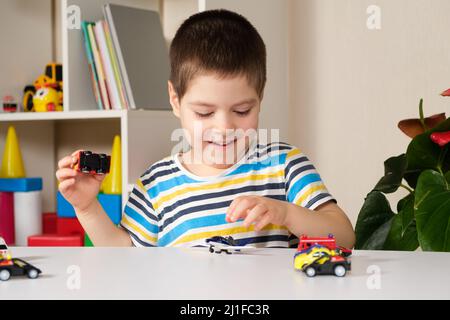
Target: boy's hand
{"x": 258, "y": 210}
{"x": 79, "y": 189}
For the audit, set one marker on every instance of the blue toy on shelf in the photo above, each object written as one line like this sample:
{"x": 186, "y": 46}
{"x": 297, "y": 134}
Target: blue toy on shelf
{"x": 20, "y": 184}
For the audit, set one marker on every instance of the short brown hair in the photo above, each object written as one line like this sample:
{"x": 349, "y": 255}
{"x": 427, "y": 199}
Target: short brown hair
{"x": 217, "y": 41}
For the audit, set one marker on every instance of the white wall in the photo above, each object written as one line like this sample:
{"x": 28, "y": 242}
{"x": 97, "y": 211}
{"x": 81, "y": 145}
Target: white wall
{"x": 351, "y": 85}
{"x": 26, "y": 43}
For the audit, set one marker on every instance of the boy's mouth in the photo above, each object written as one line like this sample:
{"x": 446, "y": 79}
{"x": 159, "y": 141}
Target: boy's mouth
{"x": 222, "y": 144}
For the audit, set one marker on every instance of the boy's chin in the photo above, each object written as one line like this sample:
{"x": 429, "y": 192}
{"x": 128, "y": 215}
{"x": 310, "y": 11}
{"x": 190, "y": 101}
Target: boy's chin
{"x": 222, "y": 158}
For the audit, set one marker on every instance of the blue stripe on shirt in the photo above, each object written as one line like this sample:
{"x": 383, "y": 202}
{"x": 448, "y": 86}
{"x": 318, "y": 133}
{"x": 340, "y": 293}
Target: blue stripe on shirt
{"x": 182, "y": 228}
{"x": 300, "y": 184}
{"x": 138, "y": 217}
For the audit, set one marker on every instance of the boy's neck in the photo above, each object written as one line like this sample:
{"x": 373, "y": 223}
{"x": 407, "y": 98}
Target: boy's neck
{"x": 201, "y": 169}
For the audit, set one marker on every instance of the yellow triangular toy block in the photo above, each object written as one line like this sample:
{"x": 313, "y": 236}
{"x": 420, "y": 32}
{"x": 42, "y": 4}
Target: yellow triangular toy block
{"x": 12, "y": 164}
{"x": 113, "y": 181}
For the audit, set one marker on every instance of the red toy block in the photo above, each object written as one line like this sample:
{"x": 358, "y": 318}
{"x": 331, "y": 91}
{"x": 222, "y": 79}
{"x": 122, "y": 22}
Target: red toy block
{"x": 69, "y": 226}
{"x": 49, "y": 223}
{"x": 54, "y": 240}
{"x": 7, "y": 217}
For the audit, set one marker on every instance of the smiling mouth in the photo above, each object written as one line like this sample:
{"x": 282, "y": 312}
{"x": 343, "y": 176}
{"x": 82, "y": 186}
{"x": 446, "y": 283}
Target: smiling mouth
{"x": 222, "y": 144}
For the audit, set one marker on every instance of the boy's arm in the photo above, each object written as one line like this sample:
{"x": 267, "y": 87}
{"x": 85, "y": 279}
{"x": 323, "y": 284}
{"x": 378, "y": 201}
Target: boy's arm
{"x": 101, "y": 229}
{"x": 327, "y": 218}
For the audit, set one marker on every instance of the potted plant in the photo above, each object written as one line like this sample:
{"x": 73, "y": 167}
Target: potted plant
{"x": 423, "y": 215}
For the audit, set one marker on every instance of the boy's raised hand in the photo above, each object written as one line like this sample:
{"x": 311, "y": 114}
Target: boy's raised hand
{"x": 78, "y": 188}
{"x": 257, "y": 210}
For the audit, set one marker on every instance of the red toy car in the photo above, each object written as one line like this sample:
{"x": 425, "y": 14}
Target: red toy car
{"x": 329, "y": 242}
{"x": 93, "y": 163}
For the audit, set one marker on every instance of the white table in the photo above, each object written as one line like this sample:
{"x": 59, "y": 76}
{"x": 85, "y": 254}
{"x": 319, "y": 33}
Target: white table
{"x": 194, "y": 273}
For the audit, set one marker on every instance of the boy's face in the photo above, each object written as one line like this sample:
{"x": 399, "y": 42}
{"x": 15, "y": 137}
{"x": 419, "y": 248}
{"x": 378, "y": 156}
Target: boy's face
{"x": 216, "y": 113}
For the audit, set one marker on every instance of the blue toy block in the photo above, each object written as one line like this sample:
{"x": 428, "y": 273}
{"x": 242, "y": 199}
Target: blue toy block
{"x": 112, "y": 204}
{"x": 20, "y": 184}
{"x": 63, "y": 208}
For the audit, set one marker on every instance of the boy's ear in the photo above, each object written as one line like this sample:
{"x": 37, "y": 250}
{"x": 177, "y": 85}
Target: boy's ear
{"x": 173, "y": 98}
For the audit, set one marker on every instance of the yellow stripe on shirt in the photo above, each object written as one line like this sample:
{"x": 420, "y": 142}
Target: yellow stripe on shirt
{"x": 254, "y": 177}
{"x": 141, "y": 186}
{"x": 310, "y": 191}
{"x": 292, "y": 153}
{"x": 138, "y": 230}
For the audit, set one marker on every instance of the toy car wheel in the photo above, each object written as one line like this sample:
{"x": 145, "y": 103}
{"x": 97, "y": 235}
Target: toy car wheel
{"x": 339, "y": 270}
{"x": 32, "y": 274}
{"x": 5, "y": 275}
{"x": 211, "y": 249}
{"x": 310, "y": 272}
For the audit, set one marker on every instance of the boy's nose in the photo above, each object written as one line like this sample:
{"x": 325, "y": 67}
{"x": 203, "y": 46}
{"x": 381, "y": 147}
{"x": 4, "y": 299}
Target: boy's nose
{"x": 223, "y": 125}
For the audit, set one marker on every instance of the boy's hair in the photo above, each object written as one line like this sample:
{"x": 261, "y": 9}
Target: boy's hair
{"x": 218, "y": 41}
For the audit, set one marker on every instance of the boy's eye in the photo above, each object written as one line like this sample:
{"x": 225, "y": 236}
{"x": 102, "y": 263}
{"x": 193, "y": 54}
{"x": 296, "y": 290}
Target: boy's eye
{"x": 243, "y": 113}
{"x": 203, "y": 115}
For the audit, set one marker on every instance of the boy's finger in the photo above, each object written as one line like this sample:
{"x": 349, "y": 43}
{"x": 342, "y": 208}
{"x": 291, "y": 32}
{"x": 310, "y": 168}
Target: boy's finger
{"x": 254, "y": 214}
{"x": 65, "y": 162}
{"x": 265, "y": 220}
{"x": 235, "y": 203}
{"x": 242, "y": 208}
{"x": 65, "y": 173}
{"x": 66, "y": 184}
{"x": 232, "y": 206}
{"x": 75, "y": 153}
{"x": 74, "y": 156}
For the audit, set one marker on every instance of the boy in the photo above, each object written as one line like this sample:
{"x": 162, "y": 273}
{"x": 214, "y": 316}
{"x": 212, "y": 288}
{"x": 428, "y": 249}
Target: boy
{"x": 226, "y": 183}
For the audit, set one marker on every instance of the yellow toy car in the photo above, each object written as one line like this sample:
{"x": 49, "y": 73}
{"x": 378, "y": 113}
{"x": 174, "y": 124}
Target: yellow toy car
{"x": 319, "y": 259}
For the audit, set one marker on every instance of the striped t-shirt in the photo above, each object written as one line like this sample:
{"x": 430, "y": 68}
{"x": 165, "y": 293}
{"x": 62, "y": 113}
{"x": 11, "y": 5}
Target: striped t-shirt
{"x": 170, "y": 206}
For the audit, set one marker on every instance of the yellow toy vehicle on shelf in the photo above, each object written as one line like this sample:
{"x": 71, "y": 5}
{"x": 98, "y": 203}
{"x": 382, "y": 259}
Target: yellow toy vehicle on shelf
{"x": 46, "y": 93}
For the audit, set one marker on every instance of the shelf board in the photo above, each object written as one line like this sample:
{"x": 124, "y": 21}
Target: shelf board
{"x": 73, "y": 115}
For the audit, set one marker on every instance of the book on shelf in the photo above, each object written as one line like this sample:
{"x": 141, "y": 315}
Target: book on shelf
{"x": 115, "y": 65}
{"x": 128, "y": 59}
{"x": 105, "y": 57}
{"x": 91, "y": 64}
{"x": 99, "y": 67}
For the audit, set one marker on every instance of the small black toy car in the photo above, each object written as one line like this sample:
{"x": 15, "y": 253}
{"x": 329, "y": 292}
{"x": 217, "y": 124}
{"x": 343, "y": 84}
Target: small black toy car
{"x": 17, "y": 267}
{"x": 89, "y": 162}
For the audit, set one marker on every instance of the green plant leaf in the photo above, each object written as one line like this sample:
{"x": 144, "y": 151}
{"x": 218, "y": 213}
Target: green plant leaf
{"x": 403, "y": 232}
{"x": 401, "y": 203}
{"x": 406, "y": 213}
{"x": 373, "y": 222}
{"x": 424, "y": 154}
{"x": 377, "y": 240}
{"x": 432, "y": 211}
{"x": 394, "y": 169}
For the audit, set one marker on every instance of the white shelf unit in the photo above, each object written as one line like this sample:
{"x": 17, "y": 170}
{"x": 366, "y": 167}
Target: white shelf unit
{"x": 46, "y": 137}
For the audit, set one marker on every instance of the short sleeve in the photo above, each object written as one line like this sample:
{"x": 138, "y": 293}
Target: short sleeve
{"x": 139, "y": 219}
{"x": 303, "y": 184}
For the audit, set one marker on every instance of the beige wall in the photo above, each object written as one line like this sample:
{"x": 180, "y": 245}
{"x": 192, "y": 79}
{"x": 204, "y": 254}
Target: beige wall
{"x": 350, "y": 85}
